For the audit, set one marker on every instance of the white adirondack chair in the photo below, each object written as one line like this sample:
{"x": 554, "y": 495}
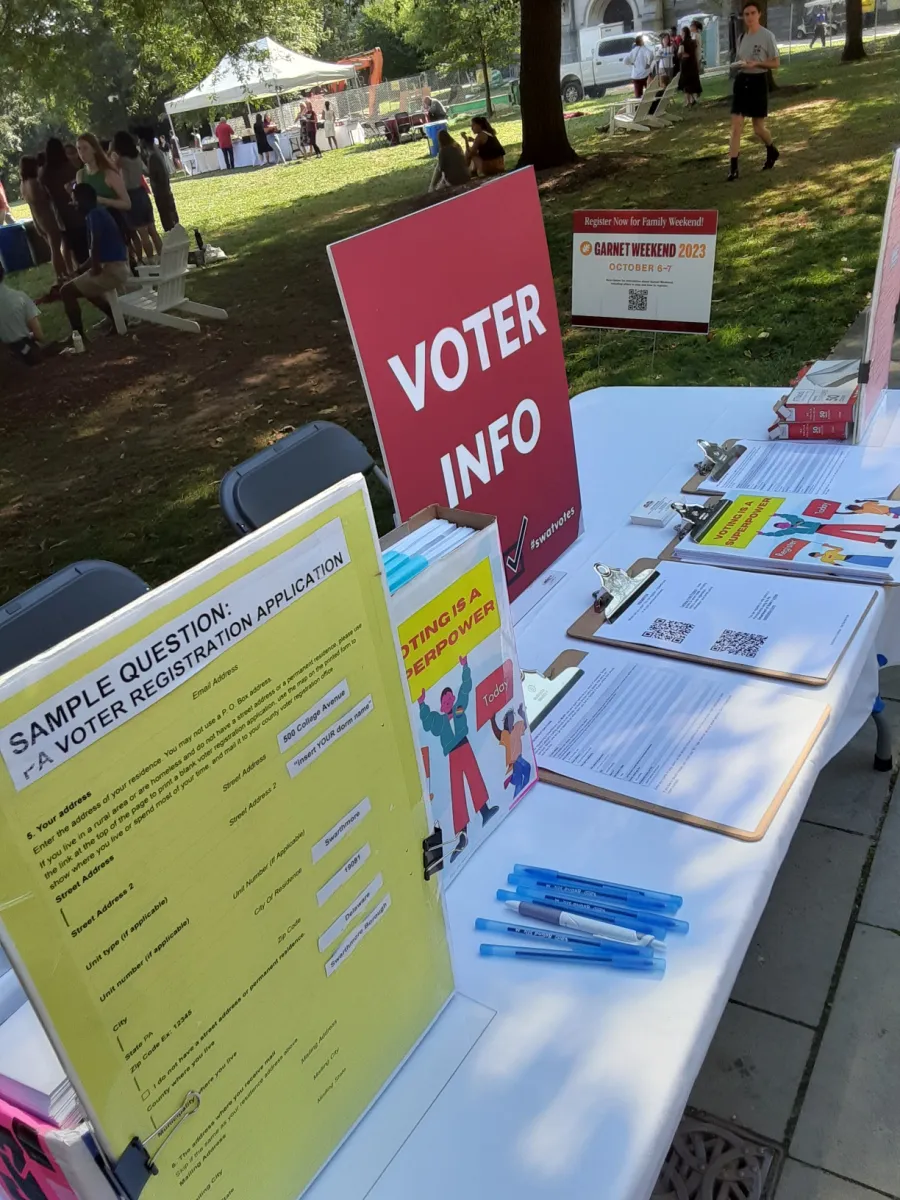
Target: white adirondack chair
{"x": 634, "y": 113}
{"x": 158, "y": 295}
{"x": 660, "y": 119}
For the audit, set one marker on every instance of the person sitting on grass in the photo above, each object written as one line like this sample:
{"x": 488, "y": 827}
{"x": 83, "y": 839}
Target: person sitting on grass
{"x": 20, "y": 323}
{"x": 485, "y": 154}
{"x": 107, "y": 267}
{"x": 451, "y": 169}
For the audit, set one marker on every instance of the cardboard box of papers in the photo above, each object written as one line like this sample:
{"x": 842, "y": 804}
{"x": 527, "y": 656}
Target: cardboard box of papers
{"x": 464, "y": 685}
{"x": 810, "y": 431}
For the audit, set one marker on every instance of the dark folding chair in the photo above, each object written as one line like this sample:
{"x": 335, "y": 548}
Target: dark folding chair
{"x": 294, "y": 469}
{"x": 68, "y": 601}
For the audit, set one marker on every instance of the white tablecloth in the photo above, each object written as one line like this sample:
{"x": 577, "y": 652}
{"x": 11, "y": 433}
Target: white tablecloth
{"x": 577, "y": 1085}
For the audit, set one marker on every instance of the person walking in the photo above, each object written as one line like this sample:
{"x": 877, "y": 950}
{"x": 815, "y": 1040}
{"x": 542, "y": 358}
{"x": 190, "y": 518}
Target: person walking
{"x": 225, "y": 138}
{"x": 640, "y": 59}
{"x": 271, "y": 131}
{"x": 689, "y": 76}
{"x": 140, "y": 216}
{"x": 312, "y": 128}
{"x": 757, "y": 54}
{"x": 819, "y": 22}
{"x": 328, "y": 124}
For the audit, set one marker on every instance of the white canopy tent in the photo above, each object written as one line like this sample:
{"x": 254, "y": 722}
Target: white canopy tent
{"x": 263, "y": 68}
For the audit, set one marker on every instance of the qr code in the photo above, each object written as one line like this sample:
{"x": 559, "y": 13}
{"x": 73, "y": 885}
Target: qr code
{"x": 746, "y": 645}
{"x": 637, "y": 299}
{"x": 668, "y": 631}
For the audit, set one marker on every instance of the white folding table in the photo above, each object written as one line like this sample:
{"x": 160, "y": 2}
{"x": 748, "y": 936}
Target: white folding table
{"x": 574, "y": 1089}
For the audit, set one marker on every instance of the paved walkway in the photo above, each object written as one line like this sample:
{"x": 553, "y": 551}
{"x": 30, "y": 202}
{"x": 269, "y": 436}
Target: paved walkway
{"x": 807, "y": 1054}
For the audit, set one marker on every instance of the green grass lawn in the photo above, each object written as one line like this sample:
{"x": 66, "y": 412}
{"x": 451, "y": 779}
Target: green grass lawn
{"x": 118, "y": 454}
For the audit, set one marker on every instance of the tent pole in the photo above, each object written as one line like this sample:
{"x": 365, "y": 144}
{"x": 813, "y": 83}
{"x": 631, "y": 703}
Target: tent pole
{"x": 176, "y": 153}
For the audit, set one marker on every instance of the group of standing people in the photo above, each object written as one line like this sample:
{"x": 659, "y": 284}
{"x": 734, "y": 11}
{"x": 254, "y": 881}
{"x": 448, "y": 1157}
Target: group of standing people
{"x": 90, "y": 201}
{"x": 676, "y": 54}
{"x": 265, "y": 132}
{"x": 757, "y": 55}
{"x": 122, "y": 174}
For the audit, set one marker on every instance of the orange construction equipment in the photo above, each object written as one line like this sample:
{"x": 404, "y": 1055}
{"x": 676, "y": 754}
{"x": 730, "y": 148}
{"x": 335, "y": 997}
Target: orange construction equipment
{"x": 372, "y": 62}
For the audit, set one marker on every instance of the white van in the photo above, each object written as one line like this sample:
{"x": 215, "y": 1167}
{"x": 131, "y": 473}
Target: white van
{"x": 605, "y": 68}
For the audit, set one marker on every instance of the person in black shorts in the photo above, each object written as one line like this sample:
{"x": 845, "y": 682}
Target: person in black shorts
{"x": 757, "y": 54}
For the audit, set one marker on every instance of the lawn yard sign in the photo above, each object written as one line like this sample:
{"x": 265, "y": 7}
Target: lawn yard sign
{"x": 453, "y": 316}
{"x": 643, "y": 269}
{"x": 876, "y": 362}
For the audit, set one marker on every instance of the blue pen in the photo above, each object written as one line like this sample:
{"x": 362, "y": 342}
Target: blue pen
{"x": 637, "y": 897}
{"x": 551, "y": 934}
{"x": 659, "y": 924}
{"x": 576, "y": 892}
{"x": 638, "y": 966}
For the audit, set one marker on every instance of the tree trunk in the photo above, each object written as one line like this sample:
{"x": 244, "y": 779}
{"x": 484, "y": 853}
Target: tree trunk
{"x": 488, "y": 102}
{"x": 854, "y": 49}
{"x": 545, "y": 142}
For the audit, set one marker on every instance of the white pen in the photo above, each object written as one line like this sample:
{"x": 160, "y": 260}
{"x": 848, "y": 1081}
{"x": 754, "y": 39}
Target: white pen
{"x": 553, "y": 916}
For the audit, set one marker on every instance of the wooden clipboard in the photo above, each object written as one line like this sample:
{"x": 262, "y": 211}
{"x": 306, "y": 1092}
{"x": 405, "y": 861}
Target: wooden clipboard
{"x": 704, "y": 485}
{"x": 589, "y": 628}
{"x": 570, "y": 658}
{"x": 668, "y": 555}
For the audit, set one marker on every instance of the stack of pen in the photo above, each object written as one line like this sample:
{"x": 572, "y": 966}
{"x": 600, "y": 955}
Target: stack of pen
{"x": 419, "y": 549}
{"x": 585, "y": 920}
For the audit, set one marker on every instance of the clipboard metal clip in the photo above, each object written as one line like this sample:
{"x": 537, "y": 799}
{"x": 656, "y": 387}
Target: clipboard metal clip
{"x": 136, "y": 1165}
{"x": 697, "y": 518}
{"x": 433, "y": 852}
{"x": 619, "y": 589}
{"x": 717, "y": 459}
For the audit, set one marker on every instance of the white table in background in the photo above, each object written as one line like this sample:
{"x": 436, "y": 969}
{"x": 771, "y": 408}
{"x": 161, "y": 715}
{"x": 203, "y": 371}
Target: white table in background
{"x": 576, "y": 1087}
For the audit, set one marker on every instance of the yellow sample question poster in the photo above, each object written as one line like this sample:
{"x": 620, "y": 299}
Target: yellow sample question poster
{"x": 211, "y": 825}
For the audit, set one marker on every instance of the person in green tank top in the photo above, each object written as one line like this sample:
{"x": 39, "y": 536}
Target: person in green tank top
{"x": 101, "y": 176}
{"x": 99, "y": 173}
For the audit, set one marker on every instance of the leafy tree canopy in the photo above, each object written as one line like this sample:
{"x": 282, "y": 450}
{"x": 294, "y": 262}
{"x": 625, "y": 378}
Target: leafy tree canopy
{"x": 454, "y": 33}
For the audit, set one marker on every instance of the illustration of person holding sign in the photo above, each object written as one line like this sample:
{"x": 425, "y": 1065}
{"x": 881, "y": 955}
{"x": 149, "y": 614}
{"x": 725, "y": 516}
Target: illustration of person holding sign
{"x": 510, "y": 738}
{"x": 451, "y": 727}
{"x": 832, "y": 555}
{"x": 791, "y": 526}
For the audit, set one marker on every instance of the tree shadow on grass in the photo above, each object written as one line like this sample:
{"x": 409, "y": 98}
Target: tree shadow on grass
{"x": 118, "y": 454}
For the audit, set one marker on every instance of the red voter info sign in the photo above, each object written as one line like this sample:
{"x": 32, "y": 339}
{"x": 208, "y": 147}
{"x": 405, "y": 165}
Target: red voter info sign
{"x": 453, "y": 315}
{"x": 876, "y": 363}
{"x": 642, "y": 269}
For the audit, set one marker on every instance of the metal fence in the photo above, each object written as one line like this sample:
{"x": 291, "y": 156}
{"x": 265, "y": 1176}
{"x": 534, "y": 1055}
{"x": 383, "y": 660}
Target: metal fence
{"x": 458, "y": 91}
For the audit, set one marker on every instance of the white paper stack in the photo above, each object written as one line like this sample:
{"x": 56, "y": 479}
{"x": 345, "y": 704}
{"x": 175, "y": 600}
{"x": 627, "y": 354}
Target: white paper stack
{"x": 12, "y": 996}
{"x": 31, "y": 1074}
{"x": 410, "y": 555}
